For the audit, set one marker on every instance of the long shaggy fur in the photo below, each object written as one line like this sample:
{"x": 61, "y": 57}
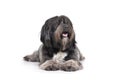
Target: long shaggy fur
{"x": 59, "y": 50}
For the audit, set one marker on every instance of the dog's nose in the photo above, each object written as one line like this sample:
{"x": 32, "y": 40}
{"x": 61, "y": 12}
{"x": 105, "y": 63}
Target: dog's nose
{"x": 65, "y": 26}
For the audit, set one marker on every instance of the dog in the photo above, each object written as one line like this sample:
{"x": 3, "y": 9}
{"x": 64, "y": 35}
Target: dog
{"x": 58, "y": 50}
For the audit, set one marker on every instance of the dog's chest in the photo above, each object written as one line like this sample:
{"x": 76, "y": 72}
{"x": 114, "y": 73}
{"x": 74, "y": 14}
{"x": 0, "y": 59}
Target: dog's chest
{"x": 59, "y": 57}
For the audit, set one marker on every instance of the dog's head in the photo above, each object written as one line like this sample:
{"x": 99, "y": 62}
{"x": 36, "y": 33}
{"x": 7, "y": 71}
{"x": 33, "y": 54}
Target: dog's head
{"x": 58, "y": 33}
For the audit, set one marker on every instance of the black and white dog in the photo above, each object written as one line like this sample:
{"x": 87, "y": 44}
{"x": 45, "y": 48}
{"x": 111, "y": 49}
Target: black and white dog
{"x": 59, "y": 50}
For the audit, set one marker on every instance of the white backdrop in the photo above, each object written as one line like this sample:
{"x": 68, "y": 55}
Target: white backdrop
{"x": 96, "y": 24}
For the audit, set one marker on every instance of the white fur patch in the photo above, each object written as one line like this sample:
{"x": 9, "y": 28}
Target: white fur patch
{"x": 59, "y": 57}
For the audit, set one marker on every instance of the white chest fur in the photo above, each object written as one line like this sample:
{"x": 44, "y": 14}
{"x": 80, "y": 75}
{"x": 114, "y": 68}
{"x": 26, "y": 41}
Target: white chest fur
{"x": 59, "y": 57}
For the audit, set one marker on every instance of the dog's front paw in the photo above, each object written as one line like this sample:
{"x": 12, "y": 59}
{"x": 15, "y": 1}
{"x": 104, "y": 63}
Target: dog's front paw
{"x": 71, "y": 65}
{"x": 52, "y": 68}
{"x": 27, "y": 58}
{"x": 31, "y": 58}
{"x": 50, "y": 65}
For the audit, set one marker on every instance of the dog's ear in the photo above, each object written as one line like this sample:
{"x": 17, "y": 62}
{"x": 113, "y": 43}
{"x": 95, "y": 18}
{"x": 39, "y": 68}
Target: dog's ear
{"x": 47, "y": 31}
{"x": 45, "y": 35}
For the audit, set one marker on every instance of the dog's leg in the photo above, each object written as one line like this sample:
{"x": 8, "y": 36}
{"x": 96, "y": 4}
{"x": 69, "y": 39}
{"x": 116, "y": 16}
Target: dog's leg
{"x": 79, "y": 54}
{"x": 32, "y": 58}
{"x": 71, "y": 65}
{"x": 50, "y": 65}
{"x": 81, "y": 57}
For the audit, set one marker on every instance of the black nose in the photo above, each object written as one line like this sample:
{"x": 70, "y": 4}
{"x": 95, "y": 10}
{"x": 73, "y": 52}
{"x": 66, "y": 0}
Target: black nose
{"x": 65, "y": 26}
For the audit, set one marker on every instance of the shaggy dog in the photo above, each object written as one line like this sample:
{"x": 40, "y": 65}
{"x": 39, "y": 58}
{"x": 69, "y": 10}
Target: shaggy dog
{"x": 59, "y": 50}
